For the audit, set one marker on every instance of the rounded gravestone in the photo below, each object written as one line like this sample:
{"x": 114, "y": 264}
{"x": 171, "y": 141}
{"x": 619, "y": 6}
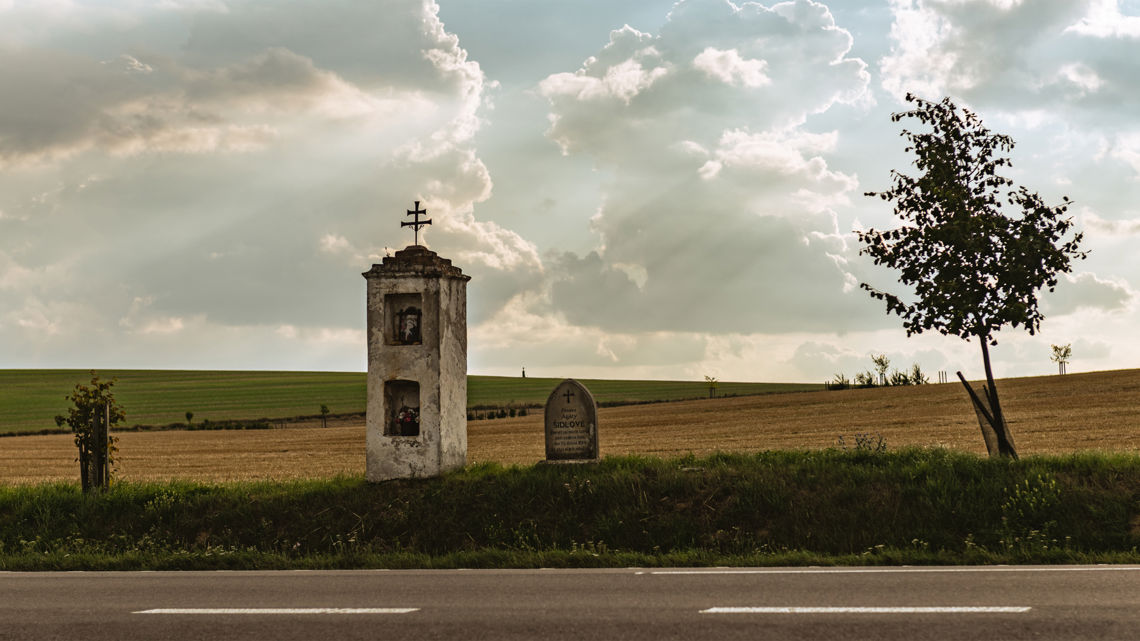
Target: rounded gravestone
{"x": 571, "y": 423}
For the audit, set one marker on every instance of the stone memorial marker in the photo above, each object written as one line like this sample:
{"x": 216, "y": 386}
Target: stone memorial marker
{"x": 571, "y": 423}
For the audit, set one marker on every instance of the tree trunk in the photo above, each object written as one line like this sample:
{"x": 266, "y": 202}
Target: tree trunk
{"x": 84, "y": 467}
{"x": 1004, "y": 437}
{"x": 985, "y": 418}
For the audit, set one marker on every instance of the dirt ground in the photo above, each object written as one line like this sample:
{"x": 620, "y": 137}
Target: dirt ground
{"x": 1053, "y": 414}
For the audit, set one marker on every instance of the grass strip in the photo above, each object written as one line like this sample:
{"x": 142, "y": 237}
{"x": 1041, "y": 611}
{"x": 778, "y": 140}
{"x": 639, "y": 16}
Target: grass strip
{"x": 917, "y": 506}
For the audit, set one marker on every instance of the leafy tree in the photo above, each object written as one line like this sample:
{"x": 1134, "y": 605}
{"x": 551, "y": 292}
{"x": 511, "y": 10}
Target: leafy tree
{"x": 973, "y": 269}
{"x": 88, "y": 401}
{"x": 917, "y": 376}
{"x": 882, "y": 363}
{"x": 324, "y": 415}
{"x": 1061, "y": 355}
{"x": 189, "y": 418}
{"x": 711, "y": 381}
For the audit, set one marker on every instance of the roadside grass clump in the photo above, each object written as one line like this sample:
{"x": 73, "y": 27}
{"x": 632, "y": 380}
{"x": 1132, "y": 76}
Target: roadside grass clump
{"x": 824, "y": 507}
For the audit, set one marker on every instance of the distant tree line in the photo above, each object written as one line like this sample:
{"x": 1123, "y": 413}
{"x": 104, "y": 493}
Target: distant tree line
{"x": 879, "y": 377}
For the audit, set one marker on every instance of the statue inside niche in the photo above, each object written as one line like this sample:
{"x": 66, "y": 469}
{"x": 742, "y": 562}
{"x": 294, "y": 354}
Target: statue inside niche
{"x": 408, "y": 326}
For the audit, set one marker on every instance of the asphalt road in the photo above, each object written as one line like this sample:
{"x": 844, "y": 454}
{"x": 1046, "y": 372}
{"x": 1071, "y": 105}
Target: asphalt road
{"x": 1066, "y": 602}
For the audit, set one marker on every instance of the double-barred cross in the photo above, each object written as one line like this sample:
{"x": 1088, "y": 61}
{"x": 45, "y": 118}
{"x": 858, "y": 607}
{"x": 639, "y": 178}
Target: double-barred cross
{"x": 417, "y": 223}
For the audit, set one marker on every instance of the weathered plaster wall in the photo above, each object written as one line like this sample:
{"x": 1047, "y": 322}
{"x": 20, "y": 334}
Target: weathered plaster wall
{"x": 438, "y": 364}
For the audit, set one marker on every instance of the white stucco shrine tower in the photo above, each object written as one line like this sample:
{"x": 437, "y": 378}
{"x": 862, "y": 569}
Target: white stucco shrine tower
{"x": 417, "y": 364}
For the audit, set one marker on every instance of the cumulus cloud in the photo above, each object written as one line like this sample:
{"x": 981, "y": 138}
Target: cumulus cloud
{"x": 716, "y": 184}
{"x": 729, "y": 67}
{"x": 976, "y": 48}
{"x": 1105, "y": 20}
{"x": 62, "y": 105}
{"x": 549, "y": 345}
{"x": 205, "y": 181}
{"x": 123, "y": 165}
{"x": 1062, "y": 56}
{"x": 1087, "y": 291}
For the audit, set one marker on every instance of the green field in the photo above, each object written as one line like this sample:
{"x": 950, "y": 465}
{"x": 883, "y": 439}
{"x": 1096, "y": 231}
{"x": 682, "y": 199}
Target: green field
{"x": 506, "y": 390}
{"x": 30, "y": 399}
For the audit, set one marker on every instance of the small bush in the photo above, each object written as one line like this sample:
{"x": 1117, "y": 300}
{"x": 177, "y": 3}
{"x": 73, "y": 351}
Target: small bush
{"x": 840, "y": 382}
{"x": 899, "y": 378}
{"x": 864, "y": 442}
{"x": 1027, "y": 519}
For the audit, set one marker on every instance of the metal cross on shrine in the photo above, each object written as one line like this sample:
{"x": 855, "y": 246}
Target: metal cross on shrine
{"x": 417, "y": 223}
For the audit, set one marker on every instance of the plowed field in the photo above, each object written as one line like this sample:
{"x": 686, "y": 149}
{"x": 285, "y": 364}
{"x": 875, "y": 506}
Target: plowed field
{"x": 1053, "y": 414}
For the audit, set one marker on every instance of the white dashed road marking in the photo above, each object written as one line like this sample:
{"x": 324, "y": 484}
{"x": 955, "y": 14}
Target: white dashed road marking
{"x": 278, "y": 611}
{"x": 900, "y": 570}
{"x": 869, "y": 610}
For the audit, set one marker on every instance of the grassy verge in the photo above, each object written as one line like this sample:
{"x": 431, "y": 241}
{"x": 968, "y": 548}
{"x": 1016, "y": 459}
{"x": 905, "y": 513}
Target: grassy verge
{"x": 824, "y": 507}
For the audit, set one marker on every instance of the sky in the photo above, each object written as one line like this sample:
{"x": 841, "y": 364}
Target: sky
{"x": 638, "y": 188}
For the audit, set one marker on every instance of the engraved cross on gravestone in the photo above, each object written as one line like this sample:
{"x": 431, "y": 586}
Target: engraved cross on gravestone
{"x": 571, "y": 423}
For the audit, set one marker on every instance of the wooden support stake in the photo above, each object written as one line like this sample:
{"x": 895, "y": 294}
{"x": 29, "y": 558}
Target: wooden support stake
{"x": 985, "y": 418}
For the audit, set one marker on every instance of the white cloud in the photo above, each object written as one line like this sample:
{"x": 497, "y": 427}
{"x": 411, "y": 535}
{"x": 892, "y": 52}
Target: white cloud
{"x": 1086, "y": 291}
{"x": 917, "y": 64}
{"x": 133, "y": 107}
{"x": 1126, "y": 148}
{"x": 729, "y": 67}
{"x": 1114, "y": 228}
{"x": 321, "y": 336}
{"x": 218, "y": 6}
{"x": 979, "y": 48}
{"x": 609, "y": 76}
{"x": 334, "y": 244}
{"x": 716, "y": 183}
{"x": 221, "y": 173}
{"x": 1105, "y": 20}
{"x": 131, "y": 64}
{"x": 780, "y": 151}
{"x": 193, "y": 252}
{"x": 1082, "y": 76}
{"x": 169, "y": 325}
{"x": 13, "y": 275}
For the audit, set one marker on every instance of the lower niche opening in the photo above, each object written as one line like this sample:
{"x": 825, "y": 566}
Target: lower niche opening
{"x": 402, "y": 400}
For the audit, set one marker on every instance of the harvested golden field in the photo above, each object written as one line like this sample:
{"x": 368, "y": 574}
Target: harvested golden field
{"x": 1052, "y": 414}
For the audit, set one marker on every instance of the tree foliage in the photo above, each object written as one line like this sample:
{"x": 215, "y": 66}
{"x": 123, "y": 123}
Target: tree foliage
{"x": 973, "y": 269}
{"x": 882, "y": 364}
{"x": 712, "y": 382}
{"x": 86, "y": 401}
{"x": 1061, "y": 355}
